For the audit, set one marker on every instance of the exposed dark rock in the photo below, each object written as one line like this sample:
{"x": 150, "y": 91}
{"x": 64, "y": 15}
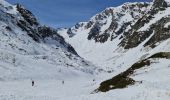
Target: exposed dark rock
{"x": 78, "y": 25}
{"x": 27, "y": 15}
{"x": 159, "y": 4}
{"x": 160, "y": 32}
{"x": 112, "y": 31}
{"x": 70, "y": 33}
{"x": 161, "y": 55}
{"x": 95, "y": 34}
{"x": 133, "y": 37}
{"x": 122, "y": 80}
{"x": 123, "y": 28}
{"x": 8, "y": 28}
{"x": 45, "y": 32}
{"x": 30, "y": 31}
{"x": 142, "y": 21}
{"x": 89, "y": 24}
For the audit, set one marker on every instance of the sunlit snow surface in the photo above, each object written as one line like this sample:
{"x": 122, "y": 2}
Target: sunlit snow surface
{"x": 47, "y": 67}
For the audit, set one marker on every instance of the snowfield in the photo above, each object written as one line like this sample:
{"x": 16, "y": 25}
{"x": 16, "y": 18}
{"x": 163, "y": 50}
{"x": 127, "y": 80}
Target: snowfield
{"x": 46, "y": 89}
{"x": 60, "y": 74}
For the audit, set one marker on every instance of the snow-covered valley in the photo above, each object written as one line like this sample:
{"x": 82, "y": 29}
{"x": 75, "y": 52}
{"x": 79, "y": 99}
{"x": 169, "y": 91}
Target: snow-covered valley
{"x": 122, "y": 53}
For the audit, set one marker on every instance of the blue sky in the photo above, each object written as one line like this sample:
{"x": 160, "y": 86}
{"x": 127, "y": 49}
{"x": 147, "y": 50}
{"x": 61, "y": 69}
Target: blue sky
{"x": 66, "y": 13}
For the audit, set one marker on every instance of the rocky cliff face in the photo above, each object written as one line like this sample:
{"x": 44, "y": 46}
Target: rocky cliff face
{"x": 137, "y": 34}
{"x": 160, "y": 4}
{"x": 112, "y": 22}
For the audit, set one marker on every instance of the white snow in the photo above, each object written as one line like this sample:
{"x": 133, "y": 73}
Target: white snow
{"x": 23, "y": 60}
{"x": 8, "y": 7}
{"x": 157, "y": 17}
{"x": 168, "y": 1}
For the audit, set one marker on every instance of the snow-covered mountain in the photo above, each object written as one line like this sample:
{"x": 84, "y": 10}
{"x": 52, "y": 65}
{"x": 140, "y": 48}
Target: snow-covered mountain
{"x": 99, "y": 38}
{"x": 118, "y": 33}
{"x": 29, "y": 50}
{"x": 121, "y": 53}
{"x": 124, "y": 41}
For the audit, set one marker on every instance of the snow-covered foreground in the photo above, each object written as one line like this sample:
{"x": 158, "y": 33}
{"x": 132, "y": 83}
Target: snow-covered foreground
{"x": 45, "y": 89}
{"x": 154, "y": 86}
{"x": 78, "y": 89}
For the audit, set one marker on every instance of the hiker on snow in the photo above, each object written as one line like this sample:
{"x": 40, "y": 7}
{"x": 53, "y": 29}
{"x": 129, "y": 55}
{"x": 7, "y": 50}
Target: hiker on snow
{"x": 32, "y": 83}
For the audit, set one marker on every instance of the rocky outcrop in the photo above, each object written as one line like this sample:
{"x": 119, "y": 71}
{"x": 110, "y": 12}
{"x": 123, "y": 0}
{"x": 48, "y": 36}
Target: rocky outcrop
{"x": 48, "y": 32}
{"x": 159, "y": 4}
{"x": 134, "y": 36}
{"x": 111, "y": 22}
{"x": 123, "y": 79}
{"x": 27, "y": 15}
{"x": 161, "y": 32}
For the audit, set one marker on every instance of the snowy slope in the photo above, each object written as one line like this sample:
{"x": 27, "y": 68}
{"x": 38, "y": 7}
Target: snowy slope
{"x": 29, "y": 51}
{"x": 115, "y": 41}
{"x": 26, "y": 52}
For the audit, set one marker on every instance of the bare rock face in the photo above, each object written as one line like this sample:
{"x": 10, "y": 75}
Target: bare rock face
{"x": 30, "y": 24}
{"x": 48, "y": 32}
{"x": 161, "y": 32}
{"x": 135, "y": 36}
{"x": 27, "y": 15}
{"x": 160, "y": 4}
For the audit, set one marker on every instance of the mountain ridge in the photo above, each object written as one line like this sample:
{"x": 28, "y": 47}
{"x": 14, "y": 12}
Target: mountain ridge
{"x": 136, "y": 38}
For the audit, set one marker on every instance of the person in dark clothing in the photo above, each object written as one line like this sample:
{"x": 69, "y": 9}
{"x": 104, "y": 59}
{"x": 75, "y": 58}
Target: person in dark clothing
{"x": 32, "y": 83}
{"x": 62, "y": 82}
